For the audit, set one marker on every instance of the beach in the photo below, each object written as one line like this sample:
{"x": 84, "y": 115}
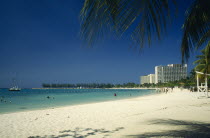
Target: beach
{"x": 176, "y": 114}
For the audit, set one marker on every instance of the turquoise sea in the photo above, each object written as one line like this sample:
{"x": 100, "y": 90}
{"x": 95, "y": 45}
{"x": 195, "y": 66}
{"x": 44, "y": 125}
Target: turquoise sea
{"x": 32, "y": 99}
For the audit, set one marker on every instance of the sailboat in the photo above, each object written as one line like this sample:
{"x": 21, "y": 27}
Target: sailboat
{"x": 15, "y": 86}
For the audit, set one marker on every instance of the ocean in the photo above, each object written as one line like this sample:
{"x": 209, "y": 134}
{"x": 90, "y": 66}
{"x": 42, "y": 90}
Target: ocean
{"x": 33, "y": 99}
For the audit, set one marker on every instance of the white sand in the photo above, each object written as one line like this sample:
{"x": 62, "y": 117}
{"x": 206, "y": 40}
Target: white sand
{"x": 172, "y": 114}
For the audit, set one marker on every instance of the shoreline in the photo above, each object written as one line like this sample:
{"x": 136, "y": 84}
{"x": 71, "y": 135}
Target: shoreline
{"x": 61, "y": 106}
{"x": 95, "y": 88}
{"x": 91, "y": 103}
{"x": 178, "y": 113}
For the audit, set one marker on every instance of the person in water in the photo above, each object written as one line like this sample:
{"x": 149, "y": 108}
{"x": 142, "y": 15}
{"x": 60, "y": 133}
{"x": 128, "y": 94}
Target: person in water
{"x": 115, "y": 94}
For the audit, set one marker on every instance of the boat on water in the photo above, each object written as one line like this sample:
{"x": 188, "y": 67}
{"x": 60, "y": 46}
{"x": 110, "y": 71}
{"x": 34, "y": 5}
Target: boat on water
{"x": 15, "y": 88}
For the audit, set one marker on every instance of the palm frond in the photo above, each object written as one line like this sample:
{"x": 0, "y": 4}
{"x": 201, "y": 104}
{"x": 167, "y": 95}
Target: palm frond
{"x": 200, "y": 68}
{"x": 196, "y": 27}
{"x": 199, "y": 61}
{"x": 200, "y": 56}
{"x": 204, "y": 39}
{"x": 203, "y": 63}
{"x": 153, "y": 19}
{"x": 141, "y": 17}
{"x": 97, "y": 17}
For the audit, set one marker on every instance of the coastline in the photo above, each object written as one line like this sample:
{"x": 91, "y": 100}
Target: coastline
{"x": 26, "y": 109}
{"x": 99, "y": 88}
{"x": 135, "y": 117}
{"x": 89, "y": 103}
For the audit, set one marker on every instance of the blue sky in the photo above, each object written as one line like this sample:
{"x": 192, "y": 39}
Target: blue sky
{"x": 39, "y": 41}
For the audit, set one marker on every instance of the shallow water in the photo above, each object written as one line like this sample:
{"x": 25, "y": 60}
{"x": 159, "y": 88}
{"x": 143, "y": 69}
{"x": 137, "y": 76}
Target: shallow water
{"x": 32, "y": 99}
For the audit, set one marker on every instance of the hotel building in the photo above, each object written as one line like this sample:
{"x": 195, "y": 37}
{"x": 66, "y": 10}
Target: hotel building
{"x": 171, "y": 72}
{"x": 148, "y": 79}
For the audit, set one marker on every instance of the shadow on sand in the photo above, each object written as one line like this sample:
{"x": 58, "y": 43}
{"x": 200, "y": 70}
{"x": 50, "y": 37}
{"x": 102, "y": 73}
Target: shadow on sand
{"x": 190, "y": 129}
{"x": 81, "y": 133}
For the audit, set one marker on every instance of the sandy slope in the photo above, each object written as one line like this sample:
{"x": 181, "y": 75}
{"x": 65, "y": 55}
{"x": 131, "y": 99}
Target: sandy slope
{"x": 174, "y": 114}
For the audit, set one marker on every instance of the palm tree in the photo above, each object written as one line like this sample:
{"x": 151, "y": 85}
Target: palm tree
{"x": 196, "y": 27}
{"x": 203, "y": 62}
{"x": 144, "y": 17}
{"x": 141, "y": 17}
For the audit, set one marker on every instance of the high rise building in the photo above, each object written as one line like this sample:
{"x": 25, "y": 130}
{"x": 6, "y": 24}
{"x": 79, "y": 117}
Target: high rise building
{"x": 171, "y": 72}
{"x": 148, "y": 79}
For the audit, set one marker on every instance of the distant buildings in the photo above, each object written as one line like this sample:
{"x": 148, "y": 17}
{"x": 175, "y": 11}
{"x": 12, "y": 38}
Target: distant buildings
{"x": 163, "y": 74}
{"x": 148, "y": 79}
{"x": 171, "y": 72}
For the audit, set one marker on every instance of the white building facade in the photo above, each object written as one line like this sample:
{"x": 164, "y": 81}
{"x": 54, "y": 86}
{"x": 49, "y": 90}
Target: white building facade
{"x": 148, "y": 79}
{"x": 171, "y": 72}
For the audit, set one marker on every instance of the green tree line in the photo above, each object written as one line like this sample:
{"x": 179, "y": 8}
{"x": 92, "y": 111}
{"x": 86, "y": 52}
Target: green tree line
{"x": 190, "y": 81}
{"x": 90, "y": 85}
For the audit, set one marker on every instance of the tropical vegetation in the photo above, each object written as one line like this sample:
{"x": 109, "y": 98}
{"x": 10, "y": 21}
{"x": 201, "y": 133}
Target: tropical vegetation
{"x": 196, "y": 27}
{"x": 140, "y": 17}
{"x": 189, "y": 81}
{"x": 90, "y": 85}
{"x": 203, "y": 62}
{"x": 147, "y": 18}
{"x": 144, "y": 19}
